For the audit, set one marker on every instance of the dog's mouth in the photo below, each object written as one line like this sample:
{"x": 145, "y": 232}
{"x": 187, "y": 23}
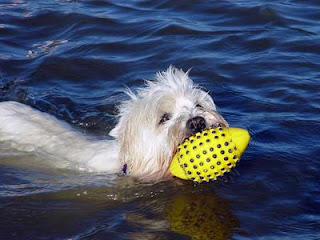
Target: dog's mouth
{"x": 189, "y": 134}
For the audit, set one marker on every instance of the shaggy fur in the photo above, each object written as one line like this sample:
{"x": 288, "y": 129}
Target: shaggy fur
{"x": 151, "y": 125}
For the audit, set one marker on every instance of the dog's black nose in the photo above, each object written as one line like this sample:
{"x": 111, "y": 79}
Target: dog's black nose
{"x": 196, "y": 124}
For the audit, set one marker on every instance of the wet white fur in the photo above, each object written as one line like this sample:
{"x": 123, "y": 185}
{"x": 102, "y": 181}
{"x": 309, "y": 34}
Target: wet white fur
{"x": 141, "y": 141}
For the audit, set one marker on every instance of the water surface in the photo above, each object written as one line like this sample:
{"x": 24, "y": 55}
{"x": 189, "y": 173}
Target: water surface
{"x": 260, "y": 61}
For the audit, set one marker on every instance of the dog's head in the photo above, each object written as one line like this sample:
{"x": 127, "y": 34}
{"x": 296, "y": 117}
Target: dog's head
{"x": 158, "y": 118}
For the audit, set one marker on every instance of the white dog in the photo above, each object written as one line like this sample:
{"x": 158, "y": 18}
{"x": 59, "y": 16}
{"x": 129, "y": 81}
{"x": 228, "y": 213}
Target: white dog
{"x": 152, "y": 123}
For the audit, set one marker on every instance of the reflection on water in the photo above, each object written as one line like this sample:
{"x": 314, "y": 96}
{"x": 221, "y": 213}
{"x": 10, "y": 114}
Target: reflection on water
{"x": 198, "y": 216}
{"x": 258, "y": 59}
{"x": 201, "y": 216}
{"x": 137, "y": 211}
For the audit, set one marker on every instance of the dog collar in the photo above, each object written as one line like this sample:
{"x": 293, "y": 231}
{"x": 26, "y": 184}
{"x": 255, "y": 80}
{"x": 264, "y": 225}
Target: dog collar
{"x": 124, "y": 169}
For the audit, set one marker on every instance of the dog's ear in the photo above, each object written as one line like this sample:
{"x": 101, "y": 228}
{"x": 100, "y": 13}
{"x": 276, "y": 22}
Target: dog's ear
{"x": 119, "y": 128}
{"x": 114, "y": 132}
{"x": 124, "y": 109}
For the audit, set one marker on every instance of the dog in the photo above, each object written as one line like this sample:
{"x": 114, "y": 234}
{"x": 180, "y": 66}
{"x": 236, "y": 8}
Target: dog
{"x": 151, "y": 124}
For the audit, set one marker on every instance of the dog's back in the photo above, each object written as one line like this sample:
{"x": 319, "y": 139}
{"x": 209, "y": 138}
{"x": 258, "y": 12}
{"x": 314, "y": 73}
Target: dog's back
{"x": 27, "y": 130}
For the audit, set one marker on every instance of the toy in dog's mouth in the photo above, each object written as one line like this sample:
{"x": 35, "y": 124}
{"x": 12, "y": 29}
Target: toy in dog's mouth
{"x": 209, "y": 154}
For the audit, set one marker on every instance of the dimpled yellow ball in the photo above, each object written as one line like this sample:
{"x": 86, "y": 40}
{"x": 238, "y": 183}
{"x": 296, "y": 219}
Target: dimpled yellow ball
{"x": 209, "y": 154}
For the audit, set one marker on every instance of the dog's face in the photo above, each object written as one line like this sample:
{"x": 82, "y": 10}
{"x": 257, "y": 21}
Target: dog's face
{"x": 158, "y": 118}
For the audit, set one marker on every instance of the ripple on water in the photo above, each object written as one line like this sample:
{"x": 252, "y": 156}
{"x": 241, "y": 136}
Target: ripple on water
{"x": 258, "y": 59}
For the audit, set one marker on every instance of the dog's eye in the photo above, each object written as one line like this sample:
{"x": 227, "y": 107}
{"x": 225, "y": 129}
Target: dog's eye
{"x": 164, "y": 118}
{"x": 198, "y": 106}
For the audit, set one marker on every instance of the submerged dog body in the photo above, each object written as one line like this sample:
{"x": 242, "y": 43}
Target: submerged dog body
{"x": 152, "y": 123}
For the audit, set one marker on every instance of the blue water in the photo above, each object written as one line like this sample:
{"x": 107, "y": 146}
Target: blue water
{"x": 259, "y": 59}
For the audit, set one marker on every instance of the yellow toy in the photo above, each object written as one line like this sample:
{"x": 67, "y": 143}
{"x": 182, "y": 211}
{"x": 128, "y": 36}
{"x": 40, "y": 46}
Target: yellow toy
{"x": 209, "y": 154}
